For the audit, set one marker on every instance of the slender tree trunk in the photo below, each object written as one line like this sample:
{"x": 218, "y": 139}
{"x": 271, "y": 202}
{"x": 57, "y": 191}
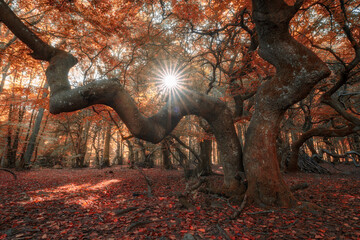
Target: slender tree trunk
{"x": 106, "y": 159}
{"x": 204, "y": 166}
{"x": 119, "y": 150}
{"x": 84, "y": 141}
{"x": 21, "y": 161}
{"x": 131, "y": 154}
{"x": 4, "y": 74}
{"x": 166, "y": 155}
{"x": 31, "y": 145}
{"x": 17, "y": 137}
{"x": 355, "y": 144}
{"x": 42, "y": 130}
{"x": 9, "y": 152}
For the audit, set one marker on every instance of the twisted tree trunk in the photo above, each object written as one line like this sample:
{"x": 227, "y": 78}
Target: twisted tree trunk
{"x": 298, "y": 69}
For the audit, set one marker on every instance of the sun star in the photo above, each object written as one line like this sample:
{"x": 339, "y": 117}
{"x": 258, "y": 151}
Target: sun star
{"x": 170, "y": 81}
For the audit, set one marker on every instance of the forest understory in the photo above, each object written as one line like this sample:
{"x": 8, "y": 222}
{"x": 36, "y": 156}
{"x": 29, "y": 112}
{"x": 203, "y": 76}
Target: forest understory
{"x": 113, "y": 203}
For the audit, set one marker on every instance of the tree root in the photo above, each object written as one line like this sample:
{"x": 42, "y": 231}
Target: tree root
{"x": 148, "y": 182}
{"x": 9, "y": 171}
{"x": 190, "y": 189}
{"x": 299, "y": 186}
{"x": 222, "y": 232}
{"x": 237, "y": 212}
{"x": 141, "y": 223}
{"x": 120, "y": 212}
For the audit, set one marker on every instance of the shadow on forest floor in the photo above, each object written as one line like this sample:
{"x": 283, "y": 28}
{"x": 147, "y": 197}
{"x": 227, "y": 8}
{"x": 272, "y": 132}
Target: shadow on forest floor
{"x": 87, "y": 204}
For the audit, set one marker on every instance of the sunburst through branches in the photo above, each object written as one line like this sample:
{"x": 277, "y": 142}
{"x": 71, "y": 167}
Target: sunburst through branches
{"x": 170, "y": 78}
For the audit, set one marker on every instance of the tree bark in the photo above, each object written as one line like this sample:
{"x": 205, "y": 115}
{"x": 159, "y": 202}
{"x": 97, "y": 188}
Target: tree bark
{"x": 31, "y": 145}
{"x": 204, "y": 166}
{"x": 106, "y": 158}
{"x": 298, "y": 69}
{"x": 111, "y": 93}
{"x": 166, "y": 154}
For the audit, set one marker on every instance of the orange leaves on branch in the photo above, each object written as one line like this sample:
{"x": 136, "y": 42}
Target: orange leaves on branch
{"x": 188, "y": 11}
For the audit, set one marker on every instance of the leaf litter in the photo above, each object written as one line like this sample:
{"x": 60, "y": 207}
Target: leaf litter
{"x": 94, "y": 204}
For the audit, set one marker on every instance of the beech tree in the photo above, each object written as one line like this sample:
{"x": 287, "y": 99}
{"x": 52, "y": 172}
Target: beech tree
{"x": 297, "y": 70}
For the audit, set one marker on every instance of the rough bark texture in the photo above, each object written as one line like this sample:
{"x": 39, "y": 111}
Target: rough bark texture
{"x": 111, "y": 93}
{"x": 297, "y": 71}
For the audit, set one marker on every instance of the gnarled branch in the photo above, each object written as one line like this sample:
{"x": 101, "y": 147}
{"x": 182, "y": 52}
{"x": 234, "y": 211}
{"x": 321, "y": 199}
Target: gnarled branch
{"x": 111, "y": 93}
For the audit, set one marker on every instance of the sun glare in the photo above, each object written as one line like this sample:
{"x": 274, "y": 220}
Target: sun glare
{"x": 170, "y": 78}
{"x": 170, "y": 81}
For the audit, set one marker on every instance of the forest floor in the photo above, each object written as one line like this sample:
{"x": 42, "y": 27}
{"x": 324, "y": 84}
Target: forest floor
{"x": 89, "y": 203}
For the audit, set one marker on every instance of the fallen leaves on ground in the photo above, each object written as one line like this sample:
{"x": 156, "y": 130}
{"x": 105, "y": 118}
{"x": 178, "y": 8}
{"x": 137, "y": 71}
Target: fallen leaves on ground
{"x": 103, "y": 204}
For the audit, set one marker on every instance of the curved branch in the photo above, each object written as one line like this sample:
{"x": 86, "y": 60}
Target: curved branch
{"x": 319, "y": 132}
{"x": 186, "y": 146}
{"x": 112, "y": 94}
{"x": 336, "y": 105}
{"x": 42, "y": 51}
{"x": 345, "y": 155}
{"x": 9, "y": 171}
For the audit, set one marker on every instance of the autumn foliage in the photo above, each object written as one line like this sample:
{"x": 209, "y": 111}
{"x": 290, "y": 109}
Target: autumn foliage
{"x": 276, "y": 81}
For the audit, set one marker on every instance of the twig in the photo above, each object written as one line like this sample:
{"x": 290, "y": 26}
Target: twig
{"x": 183, "y": 197}
{"x": 186, "y": 146}
{"x": 7, "y": 170}
{"x": 223, "y": 233}
{"x": 195, "y": 186}
{"x": 120, "y": 212}
{"x": 238, "y": 211}
{"x": 140, "y": 223}
{"x": 148, "y": 182}
{"x": 291, "y": 224}
{"x": 261, "y": 212}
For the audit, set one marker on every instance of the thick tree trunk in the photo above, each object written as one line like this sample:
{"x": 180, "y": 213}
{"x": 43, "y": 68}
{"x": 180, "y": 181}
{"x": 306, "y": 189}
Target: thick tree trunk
{"x": 297, "y": 71}
{"x": 111, "y": 93}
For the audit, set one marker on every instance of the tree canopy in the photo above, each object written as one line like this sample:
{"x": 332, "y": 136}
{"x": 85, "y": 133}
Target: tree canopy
{"x": 267, "y": 76}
